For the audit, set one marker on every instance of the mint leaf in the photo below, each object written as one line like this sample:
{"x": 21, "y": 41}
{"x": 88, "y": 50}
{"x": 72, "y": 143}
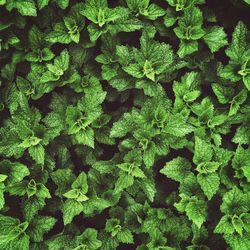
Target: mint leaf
{"x": 224, "y": 94}
{"x": 124, "y": 181}
{"x": 37, "y": 153}
{"x": 215, "y": 38}
{"x": 59, "y": 34}
{"x": 196, "y": 211}
{"x": 234, "y": 202}
{"x": 239, "y": 43}
{"x": 63, "y": 4}
{"x": 177, "y": 126}
{"x": 39, "y": 226}
{"x": 70, "y": 209}
{"x": 177, "y": 169}
{"x": 26, "y": 7}
{"x": 42, "y": 3}
{"x": 89, "y": 238}
{"x": 202, "y": 151}
{"x": 134, "y": 70}
{"x": 209, "y": 183}
{"x": 187, "y": 48}
{"x": 224, "y": 226}
{"x": 10, "y": 233}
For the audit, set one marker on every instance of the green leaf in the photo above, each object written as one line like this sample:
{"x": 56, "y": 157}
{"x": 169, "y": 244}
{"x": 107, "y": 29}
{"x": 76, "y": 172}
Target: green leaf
{"x": 127, "y": 24}
{"x": 189, "y": 186}
{"x": 81, "y": 183}
{"x": 86, "y": 137}
{"x": 62, "y": 61}
{"x": 149, "y": 155}
{"x": 63, "y": 179}
{"x": 70, "y": 209}
{"x": 153, "y": 12}
{"x": 225, "y": 225}
{"x": 134, "y": 125}
{"x": 245, "y": 217}
{"x": 63, "y": 4}
{"x": 104, "y": 166}
{"x": 42, "y": 3}
{"x": 149, "y": 70}
{"x": 209, "y": 183}
{"x": 25, "y": 7}
{"x": 137, "y": 172}
{"x": 91, "y": 9}
{"x": 40, "y": 226}
{"x": 177, "y": 126}
{"x": 246, "y": 80}
{"x": 125, "y": 236}
{"x": 94, "y": 32}
{"x": 170, "y": 18}
{"x": 197, "y": 211}
{"x": 224, "y": 94}
{"x": 237, "y": 242}
{"x": 132, "y": 170}
{"x": 241, "y": 161}
{"x": 192, "y": 17}
{"x": 134, "y": 70}
{"x": 60, "y": 241}
{"x": 135, "y": 5}
{"x": 246, "y": 171}
{"x": 149, "y": 88}
{"x": 187, "y": 48}
{"x": 3, "y": 177}
{"x": 2, "y": 200}
{"x": 14, "y": 170}
{"x": 237, "y": 224}
{"x": 208, "y": 167}
{"x": 59, "y": 34}
{"x": 121, "y": 127}
{"x": 197, "y": 33}
{"x": 37, "y": 153}
{"x": 42, "y": 191}
{"x": 122, "y": 53}
{"x": 72, "y": 194}
{"x": 202, "y": 151}
{"x": 89, "y": 238}
{"x": 177, "y": 169}
{"x": 47, "y": 54}
{"x": 229, "y": 72}
{"x": 239, "y": 99}
{"x": 148, "y": 187}
{"x": 124, "y": 181}
{"x": 239, "y": 43}
{"x": 32, "y": 206}
{"x": 7, "y": 224}
{"x": 73, "y": 29}
{"x": 13, "y": 235}
{"x": 191, "y": 96}
{"x": 234, "y": 202}
{"x": 31, "y": 141}
{"x": 17, "y": 188}
{"x": 215, "y": 38}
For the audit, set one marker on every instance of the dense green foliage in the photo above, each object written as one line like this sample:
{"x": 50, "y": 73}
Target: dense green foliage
{"x": 124, "y": 124}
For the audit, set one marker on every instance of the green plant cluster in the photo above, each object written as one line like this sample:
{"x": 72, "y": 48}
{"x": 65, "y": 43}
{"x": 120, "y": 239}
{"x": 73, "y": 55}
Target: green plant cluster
{"x": 124, "y": 124}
